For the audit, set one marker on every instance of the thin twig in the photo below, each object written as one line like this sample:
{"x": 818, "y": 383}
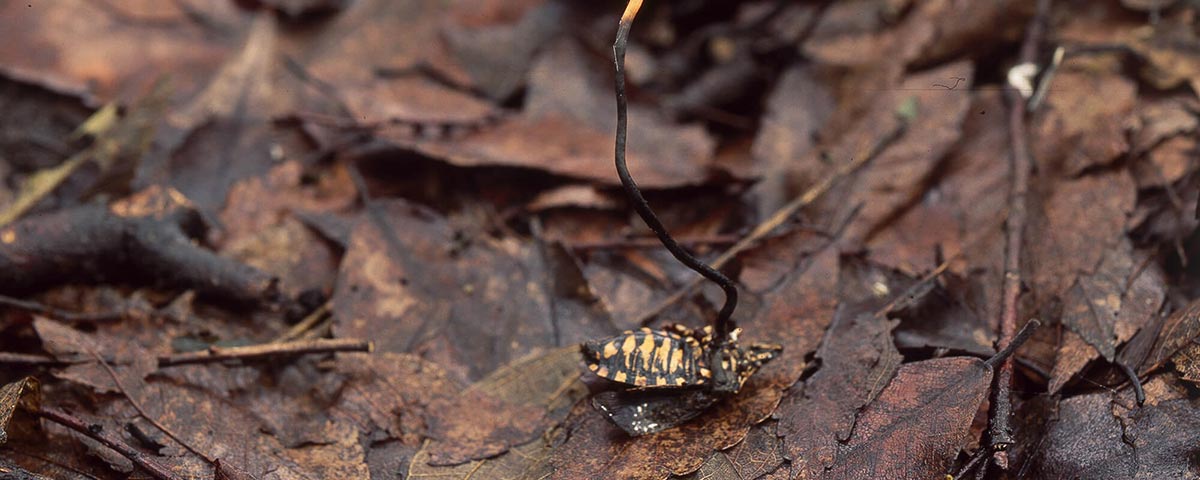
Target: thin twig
{"x": 970, "y": 465}
{"x": 267, "y": 350}
{"x": 915, "y": 289}
{"x": 60, "y": 314}
{"x": 96, "y": 432}
{"x": 1018, "y": 340}
{"x": 141, "y": 411}
{"x": 10, "y": 358}
{"x": 1000, "y": 430}
{"x": 298, "y": 330}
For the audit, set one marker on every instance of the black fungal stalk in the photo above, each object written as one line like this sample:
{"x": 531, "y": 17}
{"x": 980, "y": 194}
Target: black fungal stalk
{"x": 723, "y": 324}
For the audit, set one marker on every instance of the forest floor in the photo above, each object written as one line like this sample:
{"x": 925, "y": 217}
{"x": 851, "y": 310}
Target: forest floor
{"x": 305, "y": 239}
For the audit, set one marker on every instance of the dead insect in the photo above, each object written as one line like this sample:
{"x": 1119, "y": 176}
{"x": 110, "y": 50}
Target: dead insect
{"x": 671, "y": 372}
{"x": 675, "y": 373}
{"x": 676, "y": 357}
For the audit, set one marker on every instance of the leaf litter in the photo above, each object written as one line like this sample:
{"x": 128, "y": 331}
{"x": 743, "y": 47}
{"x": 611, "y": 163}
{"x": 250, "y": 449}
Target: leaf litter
{"x": 222, "y": 211}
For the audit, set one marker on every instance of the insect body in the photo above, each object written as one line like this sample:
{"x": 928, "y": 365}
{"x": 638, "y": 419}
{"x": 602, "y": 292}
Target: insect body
{"x": 675, "y": 374}
{"x": 676, "y": 357}
{"x": 648, "y": 358}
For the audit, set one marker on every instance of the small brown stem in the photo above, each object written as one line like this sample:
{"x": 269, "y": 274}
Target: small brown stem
{"x": 96, "y": 432}
{"x": 300, "y": 328}
{"x": 267, "y": 350}
{"x": 1000, "y": 430}
{"x": 10, "y": 358}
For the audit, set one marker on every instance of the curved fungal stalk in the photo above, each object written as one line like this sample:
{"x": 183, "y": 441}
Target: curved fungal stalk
{"x": 723, "y": 325}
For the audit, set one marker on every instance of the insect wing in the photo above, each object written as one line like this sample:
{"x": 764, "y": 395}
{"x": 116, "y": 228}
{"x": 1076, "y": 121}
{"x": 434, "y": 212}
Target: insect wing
{"x": 641, "y": 412}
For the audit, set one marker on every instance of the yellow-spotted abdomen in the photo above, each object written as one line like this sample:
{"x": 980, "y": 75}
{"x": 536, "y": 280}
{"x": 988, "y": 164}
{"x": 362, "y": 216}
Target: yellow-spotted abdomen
{"x": 648, "y": 358}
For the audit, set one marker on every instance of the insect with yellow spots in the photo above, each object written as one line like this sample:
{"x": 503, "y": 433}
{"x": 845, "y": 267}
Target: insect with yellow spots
{"x": 676, "y": 373}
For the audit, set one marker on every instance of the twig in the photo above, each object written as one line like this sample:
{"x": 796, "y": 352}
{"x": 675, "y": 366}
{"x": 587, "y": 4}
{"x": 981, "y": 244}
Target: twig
{"x": 267, "y": 350}
{"x": 96, "y": 432}
{"x": 778, "y": 218}
{"x": 141, "y": 411}
{"x": 298, "y": 330}
{"x": 970, "y": 465}
{"x": 1000, "y": 431}
{"x": 64, "y": 315}
{"x": 144, "y": 239}
{"x": 912, "y": 292}
{"x": 1018, "y": 340}
{"x": 10, "y": 358}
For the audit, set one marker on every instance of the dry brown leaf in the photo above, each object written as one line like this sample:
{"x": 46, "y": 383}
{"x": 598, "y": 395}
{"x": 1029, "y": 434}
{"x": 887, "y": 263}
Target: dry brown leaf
{"x": 1078, "y": 129}
{"x": 509, "y": 407}
{"x": 23, "y": 393}
{"x": 66, "y": 344}
{"x": 1106, "y": 308}
{"x": 918, "y": 424}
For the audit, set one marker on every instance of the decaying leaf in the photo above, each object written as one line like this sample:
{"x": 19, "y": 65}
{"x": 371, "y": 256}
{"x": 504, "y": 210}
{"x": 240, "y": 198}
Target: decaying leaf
{"x": 1066, "y": 127}
{"x": 1090, "y": 440}
{"x": 1072, "y": 229}
{"x": 509, "y": 407}
{"x": 857, "y": 360}
{"x": 759, "y": 454}
{"x": 76, "y": 348}
{"x": 918, "y": 424}
{"x": 23, "y": 393}
{"x": 487, "y": 235}
{"x": 1106, "y": 308}
{"x": 457, "y": 298}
